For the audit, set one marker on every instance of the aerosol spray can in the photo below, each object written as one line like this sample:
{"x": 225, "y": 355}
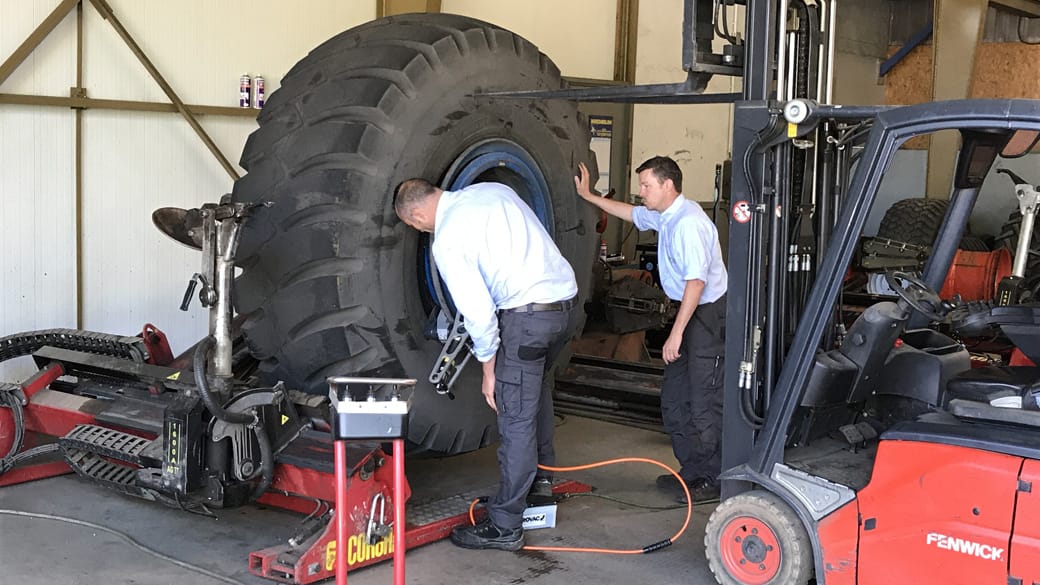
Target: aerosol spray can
{"x": 258, "y": 92}
{"x": 245, "y": 90}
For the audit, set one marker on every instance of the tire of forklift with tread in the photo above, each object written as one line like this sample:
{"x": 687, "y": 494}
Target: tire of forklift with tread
{"x": 756, "y": 538}
{"x": 330, "y": 280}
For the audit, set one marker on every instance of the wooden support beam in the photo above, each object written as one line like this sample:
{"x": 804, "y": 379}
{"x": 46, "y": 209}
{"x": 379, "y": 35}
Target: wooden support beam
{"x": 958, "y": 30}
{"x": 1029, "y": 8}
{"x": 106, "y": 12}
{"x": 85, "y": 103}
{"x": 29, "y": 44}
{"x": 392, "y": 7}
{"x": 625, "y": 34}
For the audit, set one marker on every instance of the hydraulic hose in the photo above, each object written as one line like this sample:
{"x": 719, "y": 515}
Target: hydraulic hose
{"x": 635, "y": 551}
{"x": 266, "y": 453}
{"x": 8, "y": 461}
{"x": 199, "y": 365}
{"x": 266, "y": 461}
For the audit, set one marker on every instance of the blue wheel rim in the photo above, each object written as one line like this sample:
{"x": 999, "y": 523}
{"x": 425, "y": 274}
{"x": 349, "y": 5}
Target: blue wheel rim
{"x": 496, "y": 160}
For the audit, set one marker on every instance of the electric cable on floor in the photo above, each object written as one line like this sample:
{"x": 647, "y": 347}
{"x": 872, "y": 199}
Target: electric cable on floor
{"x": 631, "y": 504}
{"x": 127, "y": 539}
{"x": 635, "y": 551}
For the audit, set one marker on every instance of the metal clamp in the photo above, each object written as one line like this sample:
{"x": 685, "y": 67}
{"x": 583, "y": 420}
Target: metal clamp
{"x": 377, "y": 528}
{"x": 447, "y": 367}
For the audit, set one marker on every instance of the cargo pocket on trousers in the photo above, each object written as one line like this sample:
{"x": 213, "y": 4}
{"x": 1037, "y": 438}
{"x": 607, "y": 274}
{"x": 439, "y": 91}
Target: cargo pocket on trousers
{"x": 709, "y": 371}
{"x": 507, "y": 390}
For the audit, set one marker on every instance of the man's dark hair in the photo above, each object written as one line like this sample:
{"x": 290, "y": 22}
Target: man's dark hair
{"x": 663, "y": 168}
{"x": 411, "y": 193}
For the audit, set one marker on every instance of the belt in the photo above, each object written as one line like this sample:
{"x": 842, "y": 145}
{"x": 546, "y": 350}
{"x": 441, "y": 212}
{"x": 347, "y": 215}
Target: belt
{"x": 720, "y": 299}
{"x": 539, "y": 307}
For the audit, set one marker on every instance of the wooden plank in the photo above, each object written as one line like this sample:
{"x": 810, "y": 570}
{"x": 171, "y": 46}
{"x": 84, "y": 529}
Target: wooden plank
{"x": 1002, "y": 70}
{"x": 33, "y": 40}
{"x": 85, "y": 103}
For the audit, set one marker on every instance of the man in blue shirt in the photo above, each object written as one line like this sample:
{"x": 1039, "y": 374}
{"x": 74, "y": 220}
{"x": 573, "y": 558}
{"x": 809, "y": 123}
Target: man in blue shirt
{"x": 692, "y": 271}
{"x": 516, "y": 293}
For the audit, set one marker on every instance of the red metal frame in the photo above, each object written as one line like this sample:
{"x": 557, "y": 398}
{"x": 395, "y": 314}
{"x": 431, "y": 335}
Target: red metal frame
{"x": 321, "y": 557}
{"x": 42, "y": 417}
{"x": 352, "y": 497}
{"x": 54, "y": 414}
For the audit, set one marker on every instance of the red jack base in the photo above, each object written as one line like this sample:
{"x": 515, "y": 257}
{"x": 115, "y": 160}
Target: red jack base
{"x": 370, "y": 502}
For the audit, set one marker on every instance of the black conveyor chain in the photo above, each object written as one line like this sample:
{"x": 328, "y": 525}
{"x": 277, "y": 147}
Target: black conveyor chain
{"x": 130, "y": 348}
{"x": 99, "y": 470}
{"x": 109, "y": 443}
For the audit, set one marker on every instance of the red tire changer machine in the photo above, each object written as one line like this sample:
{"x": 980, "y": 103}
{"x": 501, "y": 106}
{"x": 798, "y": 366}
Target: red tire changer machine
{"x": 191, "y": 434}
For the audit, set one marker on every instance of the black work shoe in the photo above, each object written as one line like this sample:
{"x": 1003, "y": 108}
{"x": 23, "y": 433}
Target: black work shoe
{"x": 670, "y": 483}
{"x": 703, "y": 491}
{"x": 541, "y": 492}
{"x": 487, "y": 535}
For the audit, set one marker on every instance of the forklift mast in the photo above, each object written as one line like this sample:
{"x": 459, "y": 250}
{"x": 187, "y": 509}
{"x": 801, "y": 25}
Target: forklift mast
{"x": 797, "y": 211}
{"x": 785, "y": 193}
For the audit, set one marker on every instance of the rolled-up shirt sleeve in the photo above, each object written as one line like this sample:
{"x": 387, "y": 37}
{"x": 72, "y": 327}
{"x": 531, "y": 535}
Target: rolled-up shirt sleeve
{"x": 644, "y": 219}
{"x": 460, "y": 270}
{"x": 691, "y": 253}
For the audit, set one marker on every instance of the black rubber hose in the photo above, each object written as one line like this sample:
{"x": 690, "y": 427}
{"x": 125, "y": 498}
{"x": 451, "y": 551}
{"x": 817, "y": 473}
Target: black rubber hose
{"x": 199, "y": 364}
{"x": 266, "y": 461}
{"x": 747, "y": 409}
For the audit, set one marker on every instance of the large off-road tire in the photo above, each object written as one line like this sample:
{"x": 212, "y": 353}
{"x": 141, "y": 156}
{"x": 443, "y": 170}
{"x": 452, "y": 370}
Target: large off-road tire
{"x": 917, "y": 221}
{"x": 332, "y": 283}
{"x": 913, "y": 221}
{"x": 755, "y": 538}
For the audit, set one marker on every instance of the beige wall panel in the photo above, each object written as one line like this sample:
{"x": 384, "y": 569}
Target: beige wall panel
{"x": 132, "y": 273}
{"x": 856, "y": 80}
{"x": 203, "y": 47}
{"x": 51, "y": 68}
{"x": 578, "y": 35}
{"x": 696, "y": 136}
{"x": 37, "y": 272}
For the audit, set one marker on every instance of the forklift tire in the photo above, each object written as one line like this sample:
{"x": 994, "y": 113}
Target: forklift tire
{"x": 331, "y": 282}
{"x": 756, "y": 538}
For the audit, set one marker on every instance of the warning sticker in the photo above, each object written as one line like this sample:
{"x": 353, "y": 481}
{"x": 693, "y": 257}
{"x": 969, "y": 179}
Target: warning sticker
{"x": 741, "y": 212}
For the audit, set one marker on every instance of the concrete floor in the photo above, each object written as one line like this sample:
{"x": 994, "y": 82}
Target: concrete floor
{"x": 40, "y": 551}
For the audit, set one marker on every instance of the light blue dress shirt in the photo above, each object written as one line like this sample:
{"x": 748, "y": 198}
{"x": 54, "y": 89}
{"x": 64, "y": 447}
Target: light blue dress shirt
{"x": 493, "y": 254}
{"x": 687, "y": 248}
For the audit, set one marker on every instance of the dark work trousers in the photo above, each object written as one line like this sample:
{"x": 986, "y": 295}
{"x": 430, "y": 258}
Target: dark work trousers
{"x": 530, "y": 344}
{"x": 691, "y": 394}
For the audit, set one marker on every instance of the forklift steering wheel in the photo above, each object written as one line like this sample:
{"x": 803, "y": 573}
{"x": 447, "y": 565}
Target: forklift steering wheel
{"x": 917, "y": 294}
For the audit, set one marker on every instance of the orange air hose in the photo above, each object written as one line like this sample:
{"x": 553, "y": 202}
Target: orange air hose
{"x": 635, "y": 551}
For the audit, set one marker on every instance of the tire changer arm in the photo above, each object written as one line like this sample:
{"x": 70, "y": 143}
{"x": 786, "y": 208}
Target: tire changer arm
{"x": 1011, "y": 288}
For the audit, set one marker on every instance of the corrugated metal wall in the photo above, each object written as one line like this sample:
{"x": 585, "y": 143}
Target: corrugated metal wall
{"x": 134, "y": 162}
{"x": 37, "y": 218}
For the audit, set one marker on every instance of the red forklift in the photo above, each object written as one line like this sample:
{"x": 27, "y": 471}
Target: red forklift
{"x": 877, "y": 454}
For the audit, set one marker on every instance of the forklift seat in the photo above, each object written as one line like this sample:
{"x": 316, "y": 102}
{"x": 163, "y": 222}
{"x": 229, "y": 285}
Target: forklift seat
{"x": 1022, "y": 326}
{"x": 1020, "y": 323}
{"x": 990, "y": 383}
{"x": 973, "y": 394}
